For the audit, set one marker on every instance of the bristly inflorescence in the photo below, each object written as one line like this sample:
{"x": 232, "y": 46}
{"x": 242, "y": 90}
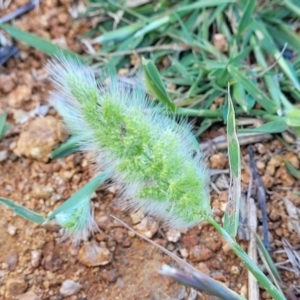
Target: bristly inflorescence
{"x": 77, "y": 222}
{"x": 148, "y": 152}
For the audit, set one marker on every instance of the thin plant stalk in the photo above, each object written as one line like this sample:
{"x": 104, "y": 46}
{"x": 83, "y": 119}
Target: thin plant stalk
{"x": 250, "y": 265}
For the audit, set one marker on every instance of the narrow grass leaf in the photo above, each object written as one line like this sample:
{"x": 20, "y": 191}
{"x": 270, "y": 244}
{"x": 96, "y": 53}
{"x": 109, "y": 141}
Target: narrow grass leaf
{"x": 23, "y": 211}
{"x": 39, "y": 43}
{"x": 3, "y": 127}
{"x": 270, "y": 80}
{"x": 152, "y": 26}
{"x": 68, "y": 147}
{"x": 231, "y": 217}
{"x": 155, "y": 85}
{"x": 276, "y": 126}
{"x": 283, "y": 34}
{"x": 292, "y": 7}
{"x": 247, "y": 16}
{"x": 238, "y": 58}
{"x": 268, "y": 258}
{"x": 86, "y": 191}
{"x": 239, "y": 96}
{"x": 268, "y": 44}
{"x": 118, "y": 34}
{"x": 203, "y": 4}
{"x": 254, "y": 91}
{"x": 292, "y": 170}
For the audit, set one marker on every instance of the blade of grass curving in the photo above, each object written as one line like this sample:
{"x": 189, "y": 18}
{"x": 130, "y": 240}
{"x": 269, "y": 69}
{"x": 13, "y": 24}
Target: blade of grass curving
{"x": 40, "y": 43}
{"x": 117, "y": 34}
{"x": 239, "y": 96}
{"x": 247, "y": 16}
{"x": 268, "y": 259}
{"x": 268, "y": 44}
{"x": 248, "y": 262}
{"x": 68, "y": 147}
{"x": 231, "y": 216}
{"x": 270, "y": 80}
{"x": 203, "y": 4}
{"x": 283, "y": 34}
{"x": 86, "y": 191}
{"x": 23, "y": 211}
{"x": 255, "y": 92}
{"x": 292, "y": 7}
{"x": 155, "y": 85}
{"x": 292, "y": 170}
{"x": 205, "y": 124}
{"x": 238, "y": 58}
{"x": 153, "y": 25}
{"x": 276, "y": 126}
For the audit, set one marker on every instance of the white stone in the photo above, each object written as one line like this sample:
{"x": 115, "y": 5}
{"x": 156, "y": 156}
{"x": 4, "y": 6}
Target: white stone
{"x": 69, "y": 287}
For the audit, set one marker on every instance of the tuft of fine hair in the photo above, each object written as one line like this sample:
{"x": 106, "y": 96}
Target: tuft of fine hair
{"x": 77, "y": 222}
{"x": 150, "y": 153}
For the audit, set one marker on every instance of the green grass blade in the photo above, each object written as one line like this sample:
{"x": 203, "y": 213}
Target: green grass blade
{"x": 276, "y": 126}
{"x": 3, "y": 128}
{"x": 283, "y": 34}
{"x": 292, "y": 170}
{"x": 255, "y": 92}
{"x": 86, "y": 191}
{"x": 155, "y": 85}
{"x": 247, "y": 16}
{"x": 231, "y": 216}
{"x": 152, "y": 26}
{"x": 248, "y": 262}
{"x": 202, "y": 4}
{"x": 39, "y": 43}
{"x": 268, "y": 44}
{"x": 239, "y": 96}
{"x": 273, "y": 88}
{"x": 292, "y": 7}
{"x": 23, "y": 211}
{"x": 268, "y": 258}
{"x": 117, "y": 34}
{"x": 68, "y": 147}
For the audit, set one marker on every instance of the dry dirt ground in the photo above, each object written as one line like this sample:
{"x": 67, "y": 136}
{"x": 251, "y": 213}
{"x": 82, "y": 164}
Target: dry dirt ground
{"x": 114, "y": 264}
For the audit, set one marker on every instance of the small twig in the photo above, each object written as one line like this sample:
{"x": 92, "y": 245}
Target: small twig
{"x": 220, "y": 142}
{"x": 19, "y": 11}
{"x": 261, "y": 197}
{"x": 271, "y": 66}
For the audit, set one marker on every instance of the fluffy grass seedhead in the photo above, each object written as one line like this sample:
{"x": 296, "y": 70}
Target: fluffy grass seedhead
{"x": 150, "y": 153}
{"x": 77, "y": 222}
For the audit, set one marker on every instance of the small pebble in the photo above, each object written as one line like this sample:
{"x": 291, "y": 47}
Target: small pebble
{"x": 91, "y": 255}
{"x": 200, "y": 253}
{"x": 28, "y": 296}
{"x": 15, "y": 286}
{"x": 3, "y": 155}
{"x": 12, "y": 230}
{"x": 147, "y": 227}
{"x": 173, "y": 235}
{"x": 137, "y": 217}
{"x": 36, "y": 257}
{"x": 184, "y": 253}
{"x": 69, "y": 287}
